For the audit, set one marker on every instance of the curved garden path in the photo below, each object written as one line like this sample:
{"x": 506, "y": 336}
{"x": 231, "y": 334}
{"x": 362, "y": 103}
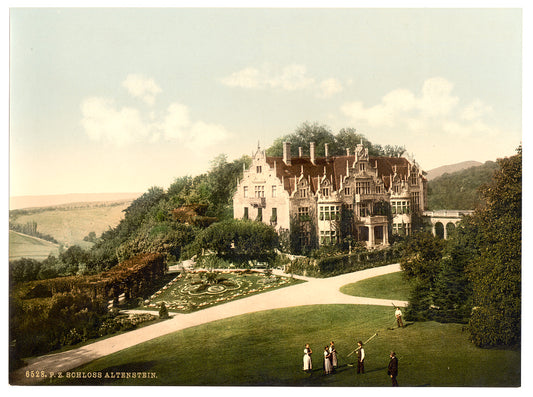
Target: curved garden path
{"x": 316, "y": 291}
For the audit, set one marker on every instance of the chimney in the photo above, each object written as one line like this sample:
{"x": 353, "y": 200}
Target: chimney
{"x": 300, "y": 151}
{"x": 312, "y": 152}
{"x": 326, "y": 151}
{"x": 287, "y": 153}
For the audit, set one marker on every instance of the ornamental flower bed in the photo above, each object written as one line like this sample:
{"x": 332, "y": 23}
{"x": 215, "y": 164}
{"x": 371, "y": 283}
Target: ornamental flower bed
{"x": 199, "y": 289}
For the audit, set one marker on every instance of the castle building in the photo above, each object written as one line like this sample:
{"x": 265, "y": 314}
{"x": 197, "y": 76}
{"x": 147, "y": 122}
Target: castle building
{"x": 324, "y": 199}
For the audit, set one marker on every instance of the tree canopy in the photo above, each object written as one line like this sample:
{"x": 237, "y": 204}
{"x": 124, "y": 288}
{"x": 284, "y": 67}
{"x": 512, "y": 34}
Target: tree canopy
{"x": 307, "y": 132}
{"x": 238, "y": 240}
{"x": 496, "y": 273}
{"x": 461, "y": 189}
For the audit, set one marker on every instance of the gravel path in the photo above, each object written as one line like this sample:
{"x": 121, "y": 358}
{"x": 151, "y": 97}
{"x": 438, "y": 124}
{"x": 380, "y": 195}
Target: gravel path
{"x": 313, "y": 292}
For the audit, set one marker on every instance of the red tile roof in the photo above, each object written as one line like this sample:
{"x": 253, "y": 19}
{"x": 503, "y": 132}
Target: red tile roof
{"x": 334, "y": 168}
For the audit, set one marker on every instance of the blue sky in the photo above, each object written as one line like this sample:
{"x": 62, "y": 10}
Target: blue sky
{"x": 118, "y": 100}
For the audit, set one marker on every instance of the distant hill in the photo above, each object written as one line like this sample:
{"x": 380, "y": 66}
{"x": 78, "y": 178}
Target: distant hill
{"x": 18, "y": 202}
{"x": 69, "y": 224}
{"x": 460, "y": 190}
{"x": 436, "y": 172}
{"x": 21, "y": 245}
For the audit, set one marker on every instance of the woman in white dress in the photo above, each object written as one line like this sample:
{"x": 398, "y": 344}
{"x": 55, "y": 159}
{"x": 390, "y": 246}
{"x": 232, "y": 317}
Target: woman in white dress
{"x": 328, "y": 368}
{"x": 308, "y": 364}
{"x": 333, "y": 352}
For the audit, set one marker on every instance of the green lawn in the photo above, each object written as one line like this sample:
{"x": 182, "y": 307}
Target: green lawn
{"x": 266, "y": 348}
{"x": 390, "y": 286}
{"x": 21, "y": 246}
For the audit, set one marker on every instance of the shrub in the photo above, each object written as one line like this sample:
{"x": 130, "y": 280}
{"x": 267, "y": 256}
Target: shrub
{"x": 331, "y": 265}
{"x": 163, "y": 311}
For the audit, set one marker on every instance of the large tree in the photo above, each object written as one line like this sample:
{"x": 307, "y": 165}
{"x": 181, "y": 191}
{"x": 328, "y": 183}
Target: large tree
{"x": 303, "y": 136}
{"x": 421, "y": 264}
{"x": 496, "y": 274}
{"x": 237, "y": 240}
{"x": 452, "y": 295}
{"x": 346, "y": 138}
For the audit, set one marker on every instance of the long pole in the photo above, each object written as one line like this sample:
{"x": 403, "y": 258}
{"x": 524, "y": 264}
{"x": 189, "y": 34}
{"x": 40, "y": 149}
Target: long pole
{"x": 368, "y": 340}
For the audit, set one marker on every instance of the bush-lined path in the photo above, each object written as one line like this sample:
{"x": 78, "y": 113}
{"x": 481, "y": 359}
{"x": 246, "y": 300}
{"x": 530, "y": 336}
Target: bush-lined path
{"x": 314, "y": 292}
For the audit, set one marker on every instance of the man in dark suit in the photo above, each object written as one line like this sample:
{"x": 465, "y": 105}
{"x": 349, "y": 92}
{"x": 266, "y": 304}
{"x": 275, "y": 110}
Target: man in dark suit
{"x": 393, "y": 368}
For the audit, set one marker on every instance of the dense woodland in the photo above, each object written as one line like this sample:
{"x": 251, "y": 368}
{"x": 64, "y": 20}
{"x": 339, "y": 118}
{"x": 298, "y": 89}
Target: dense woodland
{"x": 460, "y": 190}
{"x": 474, "y": 277}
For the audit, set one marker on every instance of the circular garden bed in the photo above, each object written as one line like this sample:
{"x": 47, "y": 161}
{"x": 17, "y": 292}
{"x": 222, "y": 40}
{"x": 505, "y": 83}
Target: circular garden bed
{"x": 196, "y": 290}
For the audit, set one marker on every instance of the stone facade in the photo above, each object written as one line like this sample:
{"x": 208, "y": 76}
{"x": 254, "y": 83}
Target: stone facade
{"x": 332, "y": 197}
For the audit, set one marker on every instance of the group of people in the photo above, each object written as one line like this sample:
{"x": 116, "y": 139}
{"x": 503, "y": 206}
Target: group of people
{"x": 330, "y": 361}
{"x": 330, "y": 358}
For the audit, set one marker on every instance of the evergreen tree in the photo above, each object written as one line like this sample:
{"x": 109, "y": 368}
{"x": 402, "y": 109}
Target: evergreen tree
{"x": 421, "y": 266}
{"x": 452, "y": 295}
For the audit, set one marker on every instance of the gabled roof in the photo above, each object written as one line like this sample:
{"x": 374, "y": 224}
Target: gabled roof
{"x": 335, "y": 169}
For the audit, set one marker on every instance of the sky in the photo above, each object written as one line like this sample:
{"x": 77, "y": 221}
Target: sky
{"x": 122, "y": 99}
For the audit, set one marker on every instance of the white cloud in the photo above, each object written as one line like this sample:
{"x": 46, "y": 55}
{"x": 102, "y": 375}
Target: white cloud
{"x": 246, "y": 78}
{"x": 177, "y": 125}
{"x": 204, "y": 134}
{"x": 475, "y": 110}
{"x": 434, "y": 116}
{"x": 436, "y": 99}
{"x": 375, "y": 116}
{"x": 175, "y": 122}
{"x": 105, "y": 122}
{"x": 399, "y": 101}
{"x": 329, "y": 87}
{"x": 142, "y": 87}
{"x": 289, "y": 78}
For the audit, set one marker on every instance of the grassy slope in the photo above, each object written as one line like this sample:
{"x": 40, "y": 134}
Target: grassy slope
{"x": 21, "y": 245}
{"x": 266, "y": 348}
{"x": 68, "y": 225}
{"x": 391, "y": 286}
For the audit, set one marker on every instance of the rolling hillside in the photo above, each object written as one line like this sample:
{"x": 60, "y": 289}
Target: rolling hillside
{"x": 23, "y": 246}
{"x": 67, "y": 223}
{"x": 451, "y": 168}
{"x": 460, "y": 190}
{"x": 19, "y": 202}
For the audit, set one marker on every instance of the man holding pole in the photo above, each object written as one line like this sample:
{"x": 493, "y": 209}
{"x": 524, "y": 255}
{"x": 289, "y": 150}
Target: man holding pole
{"x": 398, "y": 314}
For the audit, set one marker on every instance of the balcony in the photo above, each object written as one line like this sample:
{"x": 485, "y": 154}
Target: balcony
{"x": 373, "y": 220}
{"x": 257, "y": 202}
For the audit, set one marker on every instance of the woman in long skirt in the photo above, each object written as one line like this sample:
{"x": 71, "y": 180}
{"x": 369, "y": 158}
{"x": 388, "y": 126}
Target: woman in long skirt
{"x": 308, "y": 363}
{"x": 333, "y": 352}
{"x": 328, "y": 368}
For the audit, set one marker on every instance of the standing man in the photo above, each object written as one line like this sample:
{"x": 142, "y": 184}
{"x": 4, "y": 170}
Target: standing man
{"x": 360, "y": 358}
{"x": 393, "y": 368}
{"x": 398, "y": 314}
